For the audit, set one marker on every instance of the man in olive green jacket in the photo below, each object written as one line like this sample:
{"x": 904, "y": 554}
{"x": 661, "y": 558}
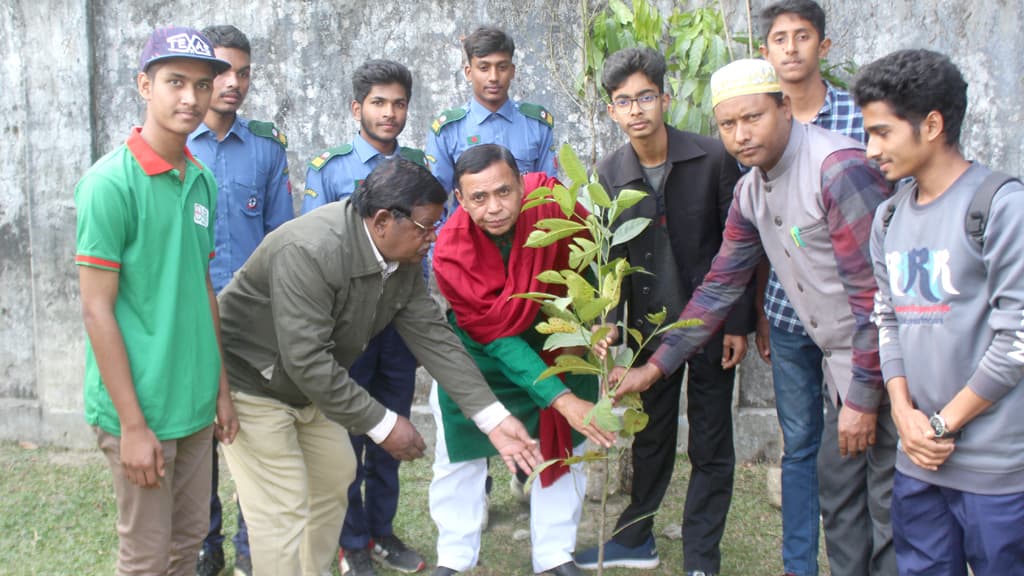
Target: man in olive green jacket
{"x": 294, "y": 318}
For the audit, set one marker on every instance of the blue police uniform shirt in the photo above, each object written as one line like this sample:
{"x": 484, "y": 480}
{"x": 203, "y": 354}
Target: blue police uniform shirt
{"x": 253, "y": 192}
{"x": 529, "y": 140}
{"x": 337, "y": 177}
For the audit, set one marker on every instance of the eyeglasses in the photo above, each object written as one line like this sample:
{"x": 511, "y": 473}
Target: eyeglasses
{"x": 423, "y": 231}
{"x": 644, "y": 101}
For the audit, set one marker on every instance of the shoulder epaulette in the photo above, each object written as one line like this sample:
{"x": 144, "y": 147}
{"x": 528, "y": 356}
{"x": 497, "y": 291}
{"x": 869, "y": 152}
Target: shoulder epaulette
{"x": 268, "y": 130}
{"x": 446, "y": 118}
{"x": 318, "y": 161}
{"x": 414, "y": 155}
{"x": 537, "y": 112}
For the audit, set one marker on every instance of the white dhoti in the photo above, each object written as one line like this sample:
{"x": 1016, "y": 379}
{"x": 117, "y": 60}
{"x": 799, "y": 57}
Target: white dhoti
{"x": 457, "y": 501}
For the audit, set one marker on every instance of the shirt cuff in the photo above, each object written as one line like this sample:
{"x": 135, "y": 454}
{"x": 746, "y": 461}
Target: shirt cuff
{"x": 489, "y": 418}
{"x": 382, "y": 430}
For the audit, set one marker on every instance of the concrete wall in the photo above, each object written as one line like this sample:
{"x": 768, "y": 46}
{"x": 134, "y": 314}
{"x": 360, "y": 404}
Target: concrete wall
{"x": 68, "y": 69}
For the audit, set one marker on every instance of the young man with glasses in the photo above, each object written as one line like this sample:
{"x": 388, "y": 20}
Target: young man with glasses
{"x": 689, "y": 181}
{"x": 295, "y": 319}
{"x": 381, "y": 90}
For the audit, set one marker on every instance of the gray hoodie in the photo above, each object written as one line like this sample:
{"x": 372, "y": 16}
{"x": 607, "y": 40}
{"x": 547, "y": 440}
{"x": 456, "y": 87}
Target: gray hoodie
{"x": 951, "y": 315}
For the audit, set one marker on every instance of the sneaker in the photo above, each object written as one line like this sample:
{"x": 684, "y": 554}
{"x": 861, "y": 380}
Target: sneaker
{"x": 355, "y": 562}
{"x": 699, "y": 573}
{"x": 568, "y": 569}
{"x": 393, "y": 553}
{"x": 243, "y": 565}
{"x": 486, "y": 519}
{"x": 518, "y": 488}
{"x": 488, "y": 484}
{"x": 443, "y": 571}
{"x": 210, "y": 562}
{"x": 644, "y": 556}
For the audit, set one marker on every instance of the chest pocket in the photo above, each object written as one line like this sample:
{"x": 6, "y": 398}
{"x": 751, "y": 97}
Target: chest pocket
{"x": 248, "y": 199}
{"x": 527, "y": 154}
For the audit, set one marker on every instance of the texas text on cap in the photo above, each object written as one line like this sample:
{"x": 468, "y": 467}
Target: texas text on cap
{"x": 180, "y": 42}
{"x": 743, "y": 77}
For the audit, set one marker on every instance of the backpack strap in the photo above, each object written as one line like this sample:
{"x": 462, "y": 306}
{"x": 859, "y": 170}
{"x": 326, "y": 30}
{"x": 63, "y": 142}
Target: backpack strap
{"x": 981, "y": 204}
{"x": 897, "y": 199}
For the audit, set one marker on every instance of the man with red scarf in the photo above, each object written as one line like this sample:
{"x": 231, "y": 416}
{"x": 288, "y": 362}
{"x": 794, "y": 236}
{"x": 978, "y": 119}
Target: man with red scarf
{"x": 480, "y": 261}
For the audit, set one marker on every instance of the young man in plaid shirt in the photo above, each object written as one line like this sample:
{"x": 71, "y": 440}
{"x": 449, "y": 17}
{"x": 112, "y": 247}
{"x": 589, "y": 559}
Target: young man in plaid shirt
{"x": 794, "y": 43}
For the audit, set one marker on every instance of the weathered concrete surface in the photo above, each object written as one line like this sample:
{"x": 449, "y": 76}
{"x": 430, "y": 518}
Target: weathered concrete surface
{"x": 68, "y": 66}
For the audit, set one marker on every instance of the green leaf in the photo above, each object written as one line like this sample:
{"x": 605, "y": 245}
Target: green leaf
{"x": 574, "y": 169}
{"x": 622, "y": 12}
{"x": 632, "y": 400}
{"x": 540, "y": 239}
{"x": 628, "y": 230}
{"x": 637, "y": 336}
{"x": 657, "y": 318}
{"x": 557, "y": 224}
{"x": 563, "y": 340}
{"x": 625, "y": 357}
{"x": 629, "y": 197}
{"x": 580, "y": 259}
{"x": 535, "y": 202}
{"x": 579, "y": 290}
{"x": 598, "y": 195}
{"x": 551, "y": 277}
{"x": 592, "y": 309}
{"x": 536, "y": 473}
{"x": 566, "y": 200}
{"x": 599, "y": 334}
{"x": 537, "y": 193}
{"x": 585, "y": 243}
{"x": 633, "y": 421}
{"x": 552, "y": 311}
{"x": 603, "y": 416}
{"x": 552, "y": 371}
{"x": 688, "y": 323}
{"x": 687, "y": 88}
{"x": 537, "y": 296}
{"x": 577, "y": 364}
{"x": 697, "y": 53}
{"x": 586, "y": 202}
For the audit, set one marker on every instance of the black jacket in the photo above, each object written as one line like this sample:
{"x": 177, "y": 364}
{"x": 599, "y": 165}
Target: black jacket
{"x": 698, "y": 191}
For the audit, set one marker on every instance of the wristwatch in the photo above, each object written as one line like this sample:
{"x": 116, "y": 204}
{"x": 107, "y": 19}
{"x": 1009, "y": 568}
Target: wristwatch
{"x": 938, "y": 424}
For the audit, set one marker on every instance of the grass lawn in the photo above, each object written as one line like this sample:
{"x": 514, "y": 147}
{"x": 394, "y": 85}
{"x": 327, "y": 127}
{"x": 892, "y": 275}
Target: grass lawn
{"x": 57, "y": 517}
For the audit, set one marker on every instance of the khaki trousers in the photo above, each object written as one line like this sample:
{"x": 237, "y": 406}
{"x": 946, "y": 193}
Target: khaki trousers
{"x": 292, "y": 468}
{"x": 160, "y": 530}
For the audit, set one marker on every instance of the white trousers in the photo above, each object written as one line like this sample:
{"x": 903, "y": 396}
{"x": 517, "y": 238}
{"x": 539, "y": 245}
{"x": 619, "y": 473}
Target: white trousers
{"x": 457, "y": 501}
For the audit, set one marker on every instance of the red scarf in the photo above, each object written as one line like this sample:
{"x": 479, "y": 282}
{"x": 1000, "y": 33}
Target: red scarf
{"x": 471, "y": 275}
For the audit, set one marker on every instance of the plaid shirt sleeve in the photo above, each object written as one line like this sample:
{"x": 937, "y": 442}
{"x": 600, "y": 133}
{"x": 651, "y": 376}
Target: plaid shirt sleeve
{"x": 851, "y": 191}
{"x": 731, "y": 271}
{"x": 839, "y": 114}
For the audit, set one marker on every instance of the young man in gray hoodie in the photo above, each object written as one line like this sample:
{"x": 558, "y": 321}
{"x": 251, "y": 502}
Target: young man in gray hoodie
{"x": 950, "y": 312}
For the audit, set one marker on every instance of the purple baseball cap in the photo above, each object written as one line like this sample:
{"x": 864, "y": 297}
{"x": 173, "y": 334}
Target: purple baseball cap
{"x": 180, "y": 42}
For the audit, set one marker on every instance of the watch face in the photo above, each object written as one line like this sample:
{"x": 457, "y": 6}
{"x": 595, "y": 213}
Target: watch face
{"x": 938, "y": 425}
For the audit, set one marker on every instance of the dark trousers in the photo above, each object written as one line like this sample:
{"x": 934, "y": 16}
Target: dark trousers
{"x": 855, "y": 494}
{"x": 387, "y": 369}
{"x": 938, "y": 531}
{"x": 712, "y": 459}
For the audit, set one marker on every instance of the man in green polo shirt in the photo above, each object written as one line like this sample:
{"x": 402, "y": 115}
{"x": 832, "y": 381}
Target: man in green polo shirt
{"x": 153, "y": 379}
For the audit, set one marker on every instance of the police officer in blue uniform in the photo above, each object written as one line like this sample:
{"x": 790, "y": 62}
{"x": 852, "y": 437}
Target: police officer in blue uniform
{"x": 381, "y": 90}
{"x": 491, "y": 117}
{"x": 248, "y": 160}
